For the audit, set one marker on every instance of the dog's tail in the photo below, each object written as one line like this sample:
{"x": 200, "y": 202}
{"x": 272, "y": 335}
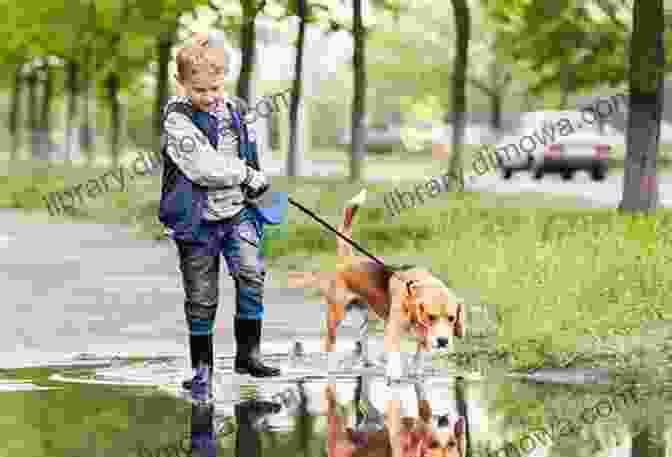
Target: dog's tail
{"x": 343, "y": 248}
{"x": 302, "y": 279}
{"x": 309, "y": 280}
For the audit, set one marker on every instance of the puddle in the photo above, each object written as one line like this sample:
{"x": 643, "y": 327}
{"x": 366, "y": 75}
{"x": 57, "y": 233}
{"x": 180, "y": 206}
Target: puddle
{"x": 135, "y": 407}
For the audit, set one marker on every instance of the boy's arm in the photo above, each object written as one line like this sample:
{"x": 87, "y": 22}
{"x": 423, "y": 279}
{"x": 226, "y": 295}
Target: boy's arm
{"x": 194, "y": 155}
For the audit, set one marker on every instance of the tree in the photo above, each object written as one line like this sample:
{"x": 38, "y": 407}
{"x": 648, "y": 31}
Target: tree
{"x": 459, "y": 105}
{"x": 566, "y": 44}
{"x": 494, "y": 83}
{"x": 647, "y": 64}
{"x": 358, "y": 132}
{"x": 248, "y": 46}
{"x": 15, "y": 114}
{"x": 300, "y": 9}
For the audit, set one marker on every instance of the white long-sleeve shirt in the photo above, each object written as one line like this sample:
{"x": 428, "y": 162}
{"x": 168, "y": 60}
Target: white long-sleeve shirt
{"x": 220, "y": 170}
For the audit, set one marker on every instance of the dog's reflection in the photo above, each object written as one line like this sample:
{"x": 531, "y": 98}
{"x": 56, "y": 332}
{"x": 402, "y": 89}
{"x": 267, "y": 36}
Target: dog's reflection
{"x": 396, "y": 431}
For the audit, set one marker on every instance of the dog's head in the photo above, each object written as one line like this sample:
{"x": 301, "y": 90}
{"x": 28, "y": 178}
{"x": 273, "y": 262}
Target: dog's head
{"x": 436, "y": 310}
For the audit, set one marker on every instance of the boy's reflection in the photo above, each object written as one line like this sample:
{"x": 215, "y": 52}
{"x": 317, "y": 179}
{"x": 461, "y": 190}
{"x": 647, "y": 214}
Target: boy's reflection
{"x": 203, "y": 437}
{"x": 396, "y": 432}
{"x": 250, "y": 416}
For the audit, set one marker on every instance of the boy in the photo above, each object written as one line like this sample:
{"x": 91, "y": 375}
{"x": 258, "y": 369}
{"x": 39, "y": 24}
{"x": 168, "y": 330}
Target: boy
{"x": 205, "y": 204}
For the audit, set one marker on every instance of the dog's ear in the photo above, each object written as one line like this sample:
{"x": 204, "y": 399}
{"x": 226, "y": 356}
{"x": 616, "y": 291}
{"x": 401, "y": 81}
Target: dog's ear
{"x": 459, "y": 321}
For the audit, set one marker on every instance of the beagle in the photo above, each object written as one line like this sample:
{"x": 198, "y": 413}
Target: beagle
{"x": 401, "y": 434}
{"x": 408, "y": 299}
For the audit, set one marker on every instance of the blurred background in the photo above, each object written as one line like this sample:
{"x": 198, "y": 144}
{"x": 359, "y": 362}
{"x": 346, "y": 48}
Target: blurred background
{"x": 380, "y": 94}
{"x": 83, "y": 80}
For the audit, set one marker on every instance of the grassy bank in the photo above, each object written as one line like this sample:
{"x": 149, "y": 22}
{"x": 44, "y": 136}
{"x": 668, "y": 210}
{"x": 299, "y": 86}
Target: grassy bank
{"x": 557, "y": 285}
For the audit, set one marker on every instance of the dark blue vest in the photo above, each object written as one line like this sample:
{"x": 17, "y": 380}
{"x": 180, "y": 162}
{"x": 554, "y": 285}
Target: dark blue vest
{"x": 183, "y": 201}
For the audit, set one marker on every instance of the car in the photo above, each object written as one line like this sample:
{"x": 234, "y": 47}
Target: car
{"x": 579, "y": 151}
{"x": 379, "y": 138}
{"x": 554, "y": 142}
{"x": 383, "y": 138}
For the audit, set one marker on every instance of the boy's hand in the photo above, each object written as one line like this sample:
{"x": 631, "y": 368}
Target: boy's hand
{"x": 255, "y": 180}
{"x": 256, "y": 196}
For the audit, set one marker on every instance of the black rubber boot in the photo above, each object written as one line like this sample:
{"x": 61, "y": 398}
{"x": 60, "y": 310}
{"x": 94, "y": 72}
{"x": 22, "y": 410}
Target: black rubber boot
{"x": 201, "y": 352}
{"x": 248, "y": 359}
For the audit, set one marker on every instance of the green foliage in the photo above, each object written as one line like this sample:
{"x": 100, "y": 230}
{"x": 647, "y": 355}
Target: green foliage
{"x": 561, "y": 36}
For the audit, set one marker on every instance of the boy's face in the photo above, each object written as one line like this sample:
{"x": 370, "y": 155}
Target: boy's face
{"x": 202, "y": 88}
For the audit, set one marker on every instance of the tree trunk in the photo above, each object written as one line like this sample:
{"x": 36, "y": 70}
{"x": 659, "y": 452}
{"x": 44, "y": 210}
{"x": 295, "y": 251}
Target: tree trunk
{"x": 45, "y": 121}
{"x": 248, "y": 50}
{"x": 647, "y": 61}
{"x": 72, "y": 88}
{"x": 459, "y": 105}
{"x": 644, "y": 444}
{"x": 292, "y": 152}
{"x": 358, "y": 133}
{"x": 33, "y": 125}
{"x": 564, "y": 86}
{"x": 496, "y": 107}
{"x": 86, "y": 129}
{"x": 15, "y": 115}
{"x": 496, "y": 96}
{"x": 86, "y": 136}
{"x": 112, "y": 86}
{"x": 164, "y": 47}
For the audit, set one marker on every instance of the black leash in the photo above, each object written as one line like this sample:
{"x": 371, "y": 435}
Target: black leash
{"x": 326, "y": 224}
{"x": 254, "y": 163}
{"x": 389, "y": 268}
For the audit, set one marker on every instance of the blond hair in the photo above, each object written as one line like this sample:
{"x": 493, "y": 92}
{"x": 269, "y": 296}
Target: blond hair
{"x": 199, "y": 57}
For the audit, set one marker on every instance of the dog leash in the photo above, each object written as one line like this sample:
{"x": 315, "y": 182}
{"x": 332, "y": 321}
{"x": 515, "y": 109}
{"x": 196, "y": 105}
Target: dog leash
{"x": 326, "y": 224}
{"x": 254, "y": 163}
{"x": 353, "y": 243}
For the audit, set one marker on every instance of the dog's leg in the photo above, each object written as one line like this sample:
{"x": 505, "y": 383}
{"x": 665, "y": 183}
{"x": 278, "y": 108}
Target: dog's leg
{"x": 394, "y": 325}
{"x": 334, "y": 317}
{"x": 420, "y": 360}
{"x": 424, "y": 408}
{"x": 392, "y": 343}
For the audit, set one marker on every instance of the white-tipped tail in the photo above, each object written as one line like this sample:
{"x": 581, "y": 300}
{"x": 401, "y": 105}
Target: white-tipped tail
{"x": 358, "y": 199}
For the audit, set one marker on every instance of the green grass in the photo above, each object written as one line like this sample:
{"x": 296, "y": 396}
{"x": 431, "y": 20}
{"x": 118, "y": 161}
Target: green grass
{"x": 546, "y": 286}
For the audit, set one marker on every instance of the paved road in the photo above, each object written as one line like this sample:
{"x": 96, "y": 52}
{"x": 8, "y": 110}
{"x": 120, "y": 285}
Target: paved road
{"x": 73, "y": 288}
{"x": 602, "y": 194}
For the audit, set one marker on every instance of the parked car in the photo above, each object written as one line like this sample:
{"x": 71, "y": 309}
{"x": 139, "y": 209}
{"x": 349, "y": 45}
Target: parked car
{"x": 579, "y": 151}
{"x": 579, "y": 147}
{"x": 379, "y": 138}
{"x": 394, "y": 137}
